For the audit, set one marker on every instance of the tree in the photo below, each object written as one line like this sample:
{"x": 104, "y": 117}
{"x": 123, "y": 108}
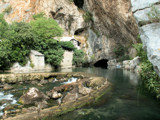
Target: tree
{"x": 45, "y": 31}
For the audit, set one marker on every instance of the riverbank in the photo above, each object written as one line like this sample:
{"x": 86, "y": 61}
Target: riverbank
{"x": 85, "y": 89}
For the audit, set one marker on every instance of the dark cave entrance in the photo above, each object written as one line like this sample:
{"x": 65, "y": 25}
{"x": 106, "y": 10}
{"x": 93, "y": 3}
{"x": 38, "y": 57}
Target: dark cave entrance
{"x": 102, "y": 63}
{"x": 79, "y": 3}
{"x": 80, "y": 31}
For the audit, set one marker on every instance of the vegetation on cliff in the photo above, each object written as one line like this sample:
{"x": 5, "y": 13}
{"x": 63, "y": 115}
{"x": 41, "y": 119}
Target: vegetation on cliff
{"x": 150, "y": 79}
{"x": 78, "y": 57}
{"x": 17, "y": 39}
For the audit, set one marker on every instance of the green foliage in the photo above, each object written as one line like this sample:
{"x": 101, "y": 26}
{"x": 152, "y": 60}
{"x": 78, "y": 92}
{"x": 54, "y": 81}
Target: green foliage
{"x": 71, "y": 1}
{"x": 45, "y": 30}
{"x": 22, "y": 39}
{"x": 54, "y": 57}
{"x": 154, "y": 14}
{"x": 140, "y": 51}
{"x": 31, "y": 64}
{"x": 150, "y": 79}
{"x": 17, "y": 39}
{"x": 88, "y": 17}
{"x": 40, "y": 15}
{"x": 8, "y": 10}
{"x": 120, "y": 53}
{"x": 67, "y": 45}
{"x": 78, "y": 57}
{"x": 5, "y": 61}
{"x": 3, "y": 26}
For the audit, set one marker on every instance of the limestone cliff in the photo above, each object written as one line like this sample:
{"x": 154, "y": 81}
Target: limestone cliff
{"x": 112, "y": 25}
{"x": 115, "y": 25}
{"x": 147, "y": 14}
{"x": 63, "y": 11}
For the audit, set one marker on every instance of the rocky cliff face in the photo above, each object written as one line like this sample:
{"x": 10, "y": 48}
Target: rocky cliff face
{"x": 112, "y": 25}
{"x": 63, "y": 11}
{"x": 147, "y": 14}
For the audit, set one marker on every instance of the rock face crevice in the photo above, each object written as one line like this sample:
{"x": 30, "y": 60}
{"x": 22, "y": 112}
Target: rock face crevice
{"x": 149, "y": 31}
{"x": 113, "y": 25}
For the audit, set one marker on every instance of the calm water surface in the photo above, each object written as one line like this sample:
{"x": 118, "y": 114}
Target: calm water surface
{"x": 123, "y": 102}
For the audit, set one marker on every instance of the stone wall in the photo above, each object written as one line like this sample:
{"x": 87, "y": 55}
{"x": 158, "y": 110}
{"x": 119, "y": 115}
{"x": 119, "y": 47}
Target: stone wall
{"x": 36, "y": 64}
{"x": 67, "y": 60}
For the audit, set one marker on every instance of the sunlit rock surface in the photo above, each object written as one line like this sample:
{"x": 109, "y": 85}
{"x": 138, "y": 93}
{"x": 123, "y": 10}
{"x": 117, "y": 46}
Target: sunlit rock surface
{"x": 149, "y": 27}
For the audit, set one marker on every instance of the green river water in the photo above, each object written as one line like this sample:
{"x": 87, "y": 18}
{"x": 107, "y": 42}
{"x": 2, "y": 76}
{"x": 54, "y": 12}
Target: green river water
{"x": 123, "y": 102}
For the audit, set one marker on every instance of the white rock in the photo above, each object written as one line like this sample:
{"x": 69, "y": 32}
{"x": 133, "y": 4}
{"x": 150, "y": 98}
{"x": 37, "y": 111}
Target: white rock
{"x": 150, "y": 36}
{"x": 134, "y": 63}
{"x": 142, "y": 15}
{"x": 56, "y": 95}
{"x": 141, "y": 4}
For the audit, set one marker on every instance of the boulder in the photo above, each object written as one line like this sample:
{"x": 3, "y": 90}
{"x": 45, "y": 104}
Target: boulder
{"x": 85, "y": 90}
{"x": 7, "y": 87}
{"x": 70, "y": 97}
{"x": 56, "y": 95}
{"x": 43, "y": 82}
{"x": 134, "y": 63}
{"x": 31, "y": 96}
{"x": 150, "y": 38}
{"x": 96, "y": 82}
{"x": 126, "y": 64}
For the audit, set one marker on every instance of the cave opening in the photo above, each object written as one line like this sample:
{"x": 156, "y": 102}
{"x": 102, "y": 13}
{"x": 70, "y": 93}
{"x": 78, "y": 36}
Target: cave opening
{"x": 102, "y": 63}
{"x": 79, "y": 3}
{"x": 79, "y": 31}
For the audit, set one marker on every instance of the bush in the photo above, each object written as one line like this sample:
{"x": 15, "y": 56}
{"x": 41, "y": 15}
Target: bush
{"x": 150, "y": 79}
{"x": 3, "y": 26}
{"x": 45, "y": 30}
{"x": 40, "y": 15}
{"x": 88, "y": 17}
{"x": 17, "y": 39}
{"x": 67, "y": 45}
{"x": 5, "y": 61}
{"x": 8, "y": 10}
{"x": 140, "y": 51}
{"x": 120, "y": 53}
{"x": 22, "y": 39}
{"x": 78, "y": 57}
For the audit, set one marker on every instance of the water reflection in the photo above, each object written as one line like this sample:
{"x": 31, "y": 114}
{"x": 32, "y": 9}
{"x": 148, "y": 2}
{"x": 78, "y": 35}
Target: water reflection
{"x": 124, "y": 102}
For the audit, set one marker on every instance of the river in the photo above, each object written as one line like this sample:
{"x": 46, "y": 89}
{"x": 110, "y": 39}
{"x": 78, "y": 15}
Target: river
{"x": 123, "y": 102}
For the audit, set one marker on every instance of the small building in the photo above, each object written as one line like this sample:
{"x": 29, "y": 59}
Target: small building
{"x": 67, "y": 60}
{"x": 37, "y": 59}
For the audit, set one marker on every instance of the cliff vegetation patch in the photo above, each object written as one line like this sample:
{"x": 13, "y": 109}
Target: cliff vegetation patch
{"x": 18, "y": 38}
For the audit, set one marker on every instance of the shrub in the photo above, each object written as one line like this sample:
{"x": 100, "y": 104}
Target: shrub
{"x": 88, "y": 17}
{"x": 150, "y": 79}
{"x": 45, "y": 30}
{"x": 120, "y": 53}
{"x": 8, "y": 10}
{"x": 40, "y": 15}
{"x": 17, "y": 39}
{"x": 67, "y": 45}
{"x": 22, "y": 39}
{"x": 140, "y": 51}
{"x": 3, "y": 26}
{"x": 78, "y": 57}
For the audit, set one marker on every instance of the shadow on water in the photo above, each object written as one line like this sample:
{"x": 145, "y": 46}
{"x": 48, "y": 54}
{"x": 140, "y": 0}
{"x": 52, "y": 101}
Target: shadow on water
{"x": 124, "y": 102}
